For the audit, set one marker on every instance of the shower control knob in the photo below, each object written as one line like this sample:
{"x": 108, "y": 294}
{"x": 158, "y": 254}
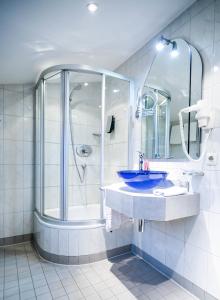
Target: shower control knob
{"x": 84, "y": 150}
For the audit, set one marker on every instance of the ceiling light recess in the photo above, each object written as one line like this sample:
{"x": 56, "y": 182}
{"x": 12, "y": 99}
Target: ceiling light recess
{"x": 92, "y": 7}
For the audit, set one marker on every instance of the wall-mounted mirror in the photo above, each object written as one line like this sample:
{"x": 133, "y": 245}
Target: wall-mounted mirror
{"x": 173, "y": 82}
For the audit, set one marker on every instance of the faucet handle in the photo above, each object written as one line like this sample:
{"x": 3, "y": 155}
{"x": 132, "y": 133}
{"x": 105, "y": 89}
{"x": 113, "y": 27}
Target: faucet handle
{"x": 141, "y": 154}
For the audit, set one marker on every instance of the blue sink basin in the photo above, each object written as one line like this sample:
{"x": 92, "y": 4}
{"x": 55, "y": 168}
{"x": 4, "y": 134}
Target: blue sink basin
{"x": 143, "y": 180}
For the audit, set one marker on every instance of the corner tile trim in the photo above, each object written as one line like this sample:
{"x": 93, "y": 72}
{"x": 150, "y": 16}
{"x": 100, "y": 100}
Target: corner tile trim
{"x": 169, "y": 273}
{"x": 15, "y": 239}
{"x": 81, "y": 259}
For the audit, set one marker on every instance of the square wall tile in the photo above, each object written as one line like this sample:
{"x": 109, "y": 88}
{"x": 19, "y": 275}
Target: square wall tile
{"x": 174, "y": 257}
{"x": 13, "y": 128}
{"x": 13, "y": 176}
{"x": 175, "y": 229}
{"x": 13, "y": 200}
{"x": 2, "y": 180}
{"x": 28, "y": 153}
{"x": 214, "y": 237}
{"x": 195, "y": 265}
{"x": 13, "y": 152}
{"x": 28, "y": 129}
{"x": 13, "y": 100}
{"x": 28, "y": 222}
{"x": 158, "y": 249}
{"x": 202, "y": 28}
{"x": 13, "y": 224}
{"x": 28, "y": 101}
{"x": 1, "y": 100}
{"x": 213, "y": 276}
{"x": 1, "y": 125}
{"x": 1, "y": 152}
{"x": 2, "y": 201}
{"x": 1, "y": 225}
{"x": 28, "y": 203}
{"x": 197, "y": 230}
{"x": 28, "y": 176}
{"x": 217, "y": 21}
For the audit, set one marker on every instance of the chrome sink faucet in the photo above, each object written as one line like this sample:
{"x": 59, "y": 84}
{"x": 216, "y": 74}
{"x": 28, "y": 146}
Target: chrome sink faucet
{"x": 141, "y": 160}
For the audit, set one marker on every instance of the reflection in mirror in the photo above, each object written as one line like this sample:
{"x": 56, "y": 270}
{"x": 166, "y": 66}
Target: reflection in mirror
{"x": 173, "y": 82}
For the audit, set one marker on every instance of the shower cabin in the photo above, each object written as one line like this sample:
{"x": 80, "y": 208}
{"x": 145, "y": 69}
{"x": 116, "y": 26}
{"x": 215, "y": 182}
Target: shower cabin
{"x": 156, "y": 121}
{"x": 75, "y": 153}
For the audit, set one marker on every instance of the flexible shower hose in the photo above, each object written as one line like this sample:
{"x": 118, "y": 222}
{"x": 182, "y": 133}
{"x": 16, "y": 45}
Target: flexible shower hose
{"x": 81, "y": 176}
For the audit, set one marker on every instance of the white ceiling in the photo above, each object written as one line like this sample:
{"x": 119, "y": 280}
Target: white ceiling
{"x": 36, "y": 34}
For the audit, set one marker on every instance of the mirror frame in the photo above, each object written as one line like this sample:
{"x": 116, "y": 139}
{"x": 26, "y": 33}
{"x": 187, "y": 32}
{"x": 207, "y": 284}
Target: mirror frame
{"x": 138, "y": 110}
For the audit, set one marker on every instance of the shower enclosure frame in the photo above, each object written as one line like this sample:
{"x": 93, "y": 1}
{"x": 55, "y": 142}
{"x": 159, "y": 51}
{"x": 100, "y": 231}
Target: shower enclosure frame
{"x": 65, "y": 71}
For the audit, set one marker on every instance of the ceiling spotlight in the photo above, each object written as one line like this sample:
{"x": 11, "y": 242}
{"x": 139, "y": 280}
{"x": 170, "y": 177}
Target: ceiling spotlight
{"x": 92, "y": 7}
{"x": 174, "y": 52}
{"x": 116, "y": 91}
{"x": 86, "y": 84}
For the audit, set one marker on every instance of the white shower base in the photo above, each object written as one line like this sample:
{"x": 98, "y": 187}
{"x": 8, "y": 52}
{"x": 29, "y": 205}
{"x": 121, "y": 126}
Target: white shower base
{"x": 77, "y": 213}
{"x": 79, "y": 243}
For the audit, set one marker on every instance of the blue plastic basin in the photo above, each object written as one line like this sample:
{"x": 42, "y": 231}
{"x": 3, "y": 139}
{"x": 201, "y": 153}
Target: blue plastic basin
{"x": 142, "y": 180}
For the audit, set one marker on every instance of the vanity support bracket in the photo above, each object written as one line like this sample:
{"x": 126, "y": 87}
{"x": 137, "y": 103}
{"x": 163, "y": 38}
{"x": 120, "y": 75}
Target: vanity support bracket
{"x": 141, "y": 225}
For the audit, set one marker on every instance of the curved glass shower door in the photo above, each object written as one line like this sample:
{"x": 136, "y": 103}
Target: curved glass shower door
{"x": 85, "y": 98}
{"x": 78, "y": 149}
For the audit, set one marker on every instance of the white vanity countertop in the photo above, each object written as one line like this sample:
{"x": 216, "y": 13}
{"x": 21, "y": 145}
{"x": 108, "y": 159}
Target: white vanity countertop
{"x": 146, "y": 205}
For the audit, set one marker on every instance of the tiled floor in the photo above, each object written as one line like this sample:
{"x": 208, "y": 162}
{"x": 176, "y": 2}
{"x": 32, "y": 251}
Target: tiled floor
{"x": 23, "y": 275}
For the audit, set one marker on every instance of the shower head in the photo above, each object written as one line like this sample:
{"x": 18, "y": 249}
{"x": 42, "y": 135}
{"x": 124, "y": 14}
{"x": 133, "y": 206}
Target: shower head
{"x": 78, "y": 87}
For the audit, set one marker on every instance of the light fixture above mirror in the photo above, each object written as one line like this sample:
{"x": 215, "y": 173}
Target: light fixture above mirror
{"x": 166, "y": 42}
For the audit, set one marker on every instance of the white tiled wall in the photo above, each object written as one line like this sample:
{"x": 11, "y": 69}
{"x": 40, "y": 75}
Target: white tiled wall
{"x": 191, "y": 247}
{"x": 16, "y": 160}
{"x": 116, "y": 142}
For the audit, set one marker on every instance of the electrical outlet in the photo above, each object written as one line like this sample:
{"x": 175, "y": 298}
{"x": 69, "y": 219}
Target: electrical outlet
{"x": 211, "y": 159}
